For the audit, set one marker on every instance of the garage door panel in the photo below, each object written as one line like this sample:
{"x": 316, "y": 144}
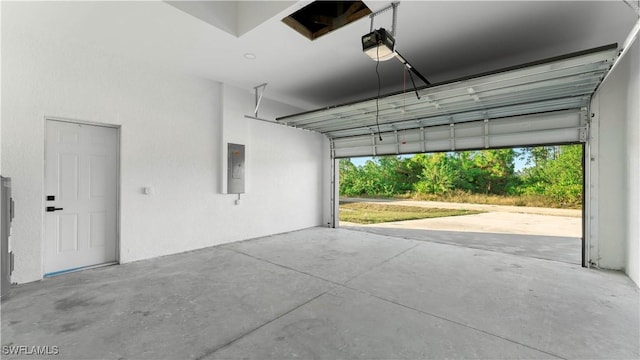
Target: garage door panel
{"x": 549, "y": 121}
{"x": 542, "y": 137}
{"x": 567, "y": 126}
{"x": 469, "y": 129}
{"x": 547, "y": 106}
{"x": 437, "y": 133}
{"x": 540, "y": 103}
{"x": 469, "y": 143}
{"x": 579, "y": 74}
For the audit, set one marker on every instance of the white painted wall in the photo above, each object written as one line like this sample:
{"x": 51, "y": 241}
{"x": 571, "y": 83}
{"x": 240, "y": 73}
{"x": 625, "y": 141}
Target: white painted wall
{"x": 1, "y": 173}
{"x": 632, "y": 263}
{"x": 171, "y": 140}
{"x": 281, "y": 165}
{"x": 615, "y": 160}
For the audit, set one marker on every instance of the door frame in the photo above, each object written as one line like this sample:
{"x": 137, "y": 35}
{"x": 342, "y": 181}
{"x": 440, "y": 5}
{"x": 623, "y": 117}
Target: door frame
{"x": 44, "y": 190}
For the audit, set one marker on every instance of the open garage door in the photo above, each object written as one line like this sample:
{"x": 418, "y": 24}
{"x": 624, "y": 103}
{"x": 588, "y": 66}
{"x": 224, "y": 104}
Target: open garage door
{"x": 538, "y": 103}
{"x": 541, "y": 103}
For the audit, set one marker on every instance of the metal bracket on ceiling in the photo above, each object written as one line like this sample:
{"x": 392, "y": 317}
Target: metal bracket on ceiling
{"x": 393, "y": 6}
{"x": 258, "y": 98}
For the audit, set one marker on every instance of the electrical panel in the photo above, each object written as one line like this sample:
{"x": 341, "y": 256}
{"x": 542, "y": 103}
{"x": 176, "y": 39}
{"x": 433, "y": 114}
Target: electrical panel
{"x": 235, "y": 168}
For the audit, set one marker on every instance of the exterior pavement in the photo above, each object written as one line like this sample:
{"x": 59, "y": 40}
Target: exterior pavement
{"x": 494, "y": 222}
{"x": 496, "y": 219}
{"x": 545, "y": 233}
{"x": 481, "y": 207}
{"x": 329, "y": 294}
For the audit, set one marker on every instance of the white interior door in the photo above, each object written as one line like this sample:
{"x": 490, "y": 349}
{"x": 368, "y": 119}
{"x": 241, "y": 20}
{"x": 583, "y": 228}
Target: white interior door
{"x": 81, "y": 191}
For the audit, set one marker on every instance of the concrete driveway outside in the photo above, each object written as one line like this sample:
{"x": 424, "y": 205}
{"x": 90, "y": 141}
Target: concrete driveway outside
{"x": 543, "y": 233}
{"x": 497, "y": 219}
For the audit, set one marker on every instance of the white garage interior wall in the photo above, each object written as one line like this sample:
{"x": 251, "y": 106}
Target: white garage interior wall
{"x": 173, "y": 128}
{"x": 615, "y": 162}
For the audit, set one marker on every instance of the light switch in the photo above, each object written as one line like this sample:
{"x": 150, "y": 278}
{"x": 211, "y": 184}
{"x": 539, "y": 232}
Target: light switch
{"x": 147, "y": 190}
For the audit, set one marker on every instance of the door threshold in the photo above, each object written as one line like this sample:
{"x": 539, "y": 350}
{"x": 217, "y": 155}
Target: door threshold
{"x": 67, "y": 271}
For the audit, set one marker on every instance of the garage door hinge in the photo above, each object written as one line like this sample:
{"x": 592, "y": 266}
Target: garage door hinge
{"x": 486, "y": 133}
{"x": 584, "y": 133}
{"x": 584, "y": 116}
{"x": 452, "y": 136}
{"x": 332, "y": 145}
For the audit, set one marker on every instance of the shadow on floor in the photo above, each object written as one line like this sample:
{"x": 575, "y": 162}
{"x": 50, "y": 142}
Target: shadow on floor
{"x": 556, "y": 248}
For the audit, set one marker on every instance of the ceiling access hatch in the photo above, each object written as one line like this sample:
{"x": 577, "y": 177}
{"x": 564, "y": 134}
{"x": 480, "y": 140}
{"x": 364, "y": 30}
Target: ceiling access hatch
{"x": 322, "y": 17}
{"x": 545, "y": 102}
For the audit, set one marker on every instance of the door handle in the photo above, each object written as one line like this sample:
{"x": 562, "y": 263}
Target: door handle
{"x": 53, "y": 208}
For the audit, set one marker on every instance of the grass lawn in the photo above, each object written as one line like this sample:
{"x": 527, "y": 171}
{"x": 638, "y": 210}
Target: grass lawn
{"x": 367, "y": 213}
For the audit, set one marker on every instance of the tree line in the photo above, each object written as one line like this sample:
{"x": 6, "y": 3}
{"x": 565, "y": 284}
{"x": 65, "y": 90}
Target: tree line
{"x": 553, "y": 172}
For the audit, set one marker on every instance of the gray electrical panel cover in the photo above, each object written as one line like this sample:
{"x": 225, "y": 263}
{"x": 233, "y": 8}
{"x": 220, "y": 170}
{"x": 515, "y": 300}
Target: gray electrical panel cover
{"x": 235, "y": 169}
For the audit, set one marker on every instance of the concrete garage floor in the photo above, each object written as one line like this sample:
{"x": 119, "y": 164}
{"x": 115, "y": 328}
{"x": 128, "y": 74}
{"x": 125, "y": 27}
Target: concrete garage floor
{"x": 557, "y": 248}
{"x": 330, "y": 294}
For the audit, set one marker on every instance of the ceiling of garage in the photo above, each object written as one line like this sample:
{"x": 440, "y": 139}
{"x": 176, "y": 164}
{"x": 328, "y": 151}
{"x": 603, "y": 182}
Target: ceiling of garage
{"x": 443, "y": 40}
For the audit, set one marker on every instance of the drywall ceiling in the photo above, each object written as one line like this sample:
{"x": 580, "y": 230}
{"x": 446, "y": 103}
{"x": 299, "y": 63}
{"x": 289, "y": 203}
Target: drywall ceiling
{"x": 443, "y": 40}
{"x": 234, "y": 17}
